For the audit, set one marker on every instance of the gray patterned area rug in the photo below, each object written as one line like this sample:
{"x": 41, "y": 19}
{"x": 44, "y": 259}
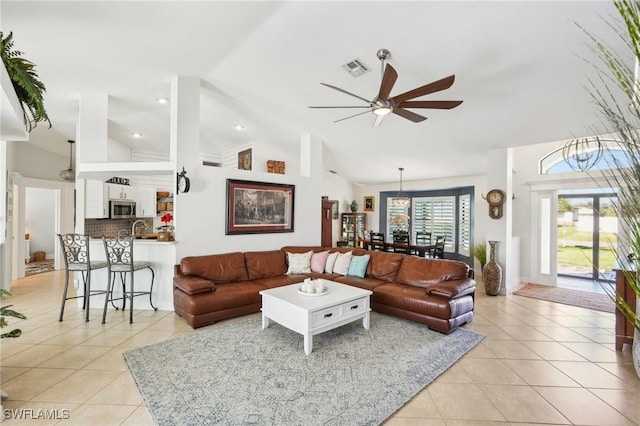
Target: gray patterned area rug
{"x": 239, "y": 374}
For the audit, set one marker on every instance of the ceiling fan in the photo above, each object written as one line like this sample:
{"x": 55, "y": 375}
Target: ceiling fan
{"x": 382, "y": 104}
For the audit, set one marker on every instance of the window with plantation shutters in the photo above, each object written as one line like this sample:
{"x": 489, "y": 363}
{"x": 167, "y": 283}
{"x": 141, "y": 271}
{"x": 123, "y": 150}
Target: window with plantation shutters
{"x": 394, "y": 212}
{"x": 436, "y": 215}
{"x": 448, "y": 212}
{"x": 464, "y": 224}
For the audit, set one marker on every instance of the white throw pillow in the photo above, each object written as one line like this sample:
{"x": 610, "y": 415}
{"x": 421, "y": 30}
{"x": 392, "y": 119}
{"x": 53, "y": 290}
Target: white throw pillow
{"x": 331, "y": 260}
{"x": 342, "y": 263}
{"x": 299, "y": 263}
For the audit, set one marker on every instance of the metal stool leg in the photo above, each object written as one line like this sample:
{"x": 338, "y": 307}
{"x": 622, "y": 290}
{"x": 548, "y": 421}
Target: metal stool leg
{"x": 153, "y": 276}
{"x": 87, "y": 294}
{"x": 64, "y": 293}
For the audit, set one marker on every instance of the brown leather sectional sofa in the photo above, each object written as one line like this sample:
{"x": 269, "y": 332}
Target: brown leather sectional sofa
{"x": 436, "y": 292}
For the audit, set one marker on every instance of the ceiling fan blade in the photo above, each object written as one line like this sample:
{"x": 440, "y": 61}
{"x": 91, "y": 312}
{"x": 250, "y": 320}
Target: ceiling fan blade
{"x": 409, "y": 115}
{"x": 430, "y": 104}
{"x": 436, "y": 86}
{"x": 388, "y": 80}
{"x": 378, "y": 121}
{"x": 339, "y": 107}
{"x": 346, "y": 93}
{"x": 351, "y": 116}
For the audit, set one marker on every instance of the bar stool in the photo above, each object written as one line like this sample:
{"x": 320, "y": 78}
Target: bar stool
{"x": 76, "y": 259}
{"x": 119, "y": 251}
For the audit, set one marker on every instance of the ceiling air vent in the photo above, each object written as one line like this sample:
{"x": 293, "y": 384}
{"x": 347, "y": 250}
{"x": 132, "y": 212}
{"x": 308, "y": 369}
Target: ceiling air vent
{"x": 356, "y": 68}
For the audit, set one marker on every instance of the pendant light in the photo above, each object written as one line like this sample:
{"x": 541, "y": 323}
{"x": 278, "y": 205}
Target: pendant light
{"x": 582, "y": 154}
{"x": 401, "y": 200}
{"x": 69, "y": 174}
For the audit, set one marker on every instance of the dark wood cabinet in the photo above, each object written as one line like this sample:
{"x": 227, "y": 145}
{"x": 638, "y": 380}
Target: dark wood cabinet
{"x": 624, "y": 328}
{"x": 327, "y": 224}
{"x": 353, "y": 228}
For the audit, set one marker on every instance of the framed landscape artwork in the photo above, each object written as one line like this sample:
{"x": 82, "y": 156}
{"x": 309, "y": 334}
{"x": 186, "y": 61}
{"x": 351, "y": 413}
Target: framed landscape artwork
{"x": 259, "y": 207}
{"x": 368, "y": 203}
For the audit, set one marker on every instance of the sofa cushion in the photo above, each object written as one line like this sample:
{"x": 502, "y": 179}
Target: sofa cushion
{"x": 358, "y": 266}
{"x": 341, "y": 267}
{"x": 318, "y": 260}
{"x": 384, "y": 266}
{"x": 299, "y": 263}
{"x": 265, "y": 264}
{"x": 219, "y": 268}
{"x": 421, "y": 272}
{"x": 453, "y": 289}
{"x": 193, "y": 285}
{"x": 331, "y": 261}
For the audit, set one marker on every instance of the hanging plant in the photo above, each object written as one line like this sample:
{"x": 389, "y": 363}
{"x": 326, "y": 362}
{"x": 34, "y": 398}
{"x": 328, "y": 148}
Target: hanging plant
{"x": 29, "y": 89}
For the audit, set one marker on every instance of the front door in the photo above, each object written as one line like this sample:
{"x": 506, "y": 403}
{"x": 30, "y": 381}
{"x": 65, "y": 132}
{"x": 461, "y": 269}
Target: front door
{"x": 586, "y": 235}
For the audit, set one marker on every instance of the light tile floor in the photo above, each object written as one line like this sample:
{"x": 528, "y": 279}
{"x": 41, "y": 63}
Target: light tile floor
{"x": 541, "y": 363}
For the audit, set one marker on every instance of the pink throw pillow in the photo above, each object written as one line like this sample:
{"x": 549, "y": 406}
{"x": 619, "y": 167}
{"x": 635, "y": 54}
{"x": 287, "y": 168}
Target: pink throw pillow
{"x": 318, "y": 260}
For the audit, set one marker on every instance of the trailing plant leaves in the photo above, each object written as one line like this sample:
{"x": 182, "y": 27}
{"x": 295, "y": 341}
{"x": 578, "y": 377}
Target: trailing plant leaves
{"x": 29, "y": 89}
{"x": 622, "y": 118}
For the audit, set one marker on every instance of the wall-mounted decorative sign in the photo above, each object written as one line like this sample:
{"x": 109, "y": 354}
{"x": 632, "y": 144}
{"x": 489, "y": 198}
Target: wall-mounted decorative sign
{"x": 274, "y": 166}
{"x": 119, "y": 180}
{"x": 244, "y": 159}
{"x": 259, "y": 207}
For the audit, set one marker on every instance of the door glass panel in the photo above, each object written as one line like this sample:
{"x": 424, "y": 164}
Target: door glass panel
{"x": 608, "y": 238}
{"x": 587, "y": 236}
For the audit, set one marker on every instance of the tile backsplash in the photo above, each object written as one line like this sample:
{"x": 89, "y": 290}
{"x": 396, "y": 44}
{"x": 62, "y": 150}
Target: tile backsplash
{"x": 96, "y": 228}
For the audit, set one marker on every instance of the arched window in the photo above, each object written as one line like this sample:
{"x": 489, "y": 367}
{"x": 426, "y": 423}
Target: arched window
{"x": 615, "y": 154}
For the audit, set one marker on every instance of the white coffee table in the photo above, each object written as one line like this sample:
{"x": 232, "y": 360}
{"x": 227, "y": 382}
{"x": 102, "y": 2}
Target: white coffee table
{"x": 310, "y": 315}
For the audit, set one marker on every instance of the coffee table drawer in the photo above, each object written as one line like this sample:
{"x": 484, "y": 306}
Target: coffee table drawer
{"x": 335, "y": 313}
{"x": 354, "y": 307}
{"x": 326, "y": 316}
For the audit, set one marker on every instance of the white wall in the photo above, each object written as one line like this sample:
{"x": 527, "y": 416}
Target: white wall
{"x": 40, "y": 217}
{"x": 34, "y": 162}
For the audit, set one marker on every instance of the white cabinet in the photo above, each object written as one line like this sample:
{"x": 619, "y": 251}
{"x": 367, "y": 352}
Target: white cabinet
{"x": 96, "y": 202}
{"x": 122, "y": 192}
{"x": 146, "y": 202}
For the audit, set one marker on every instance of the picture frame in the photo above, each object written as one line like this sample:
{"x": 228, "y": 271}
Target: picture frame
{"x": 245, "y": 161}
{"x": 259, "y": 207}
{"x": 334, "y": 209}
{"x": 369, "y": 203}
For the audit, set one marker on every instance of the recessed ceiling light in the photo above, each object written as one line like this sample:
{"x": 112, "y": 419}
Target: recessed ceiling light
{"x": 163, "y": 101}
{"x": 136, "y": 134}
{"x": 238, "y": 127}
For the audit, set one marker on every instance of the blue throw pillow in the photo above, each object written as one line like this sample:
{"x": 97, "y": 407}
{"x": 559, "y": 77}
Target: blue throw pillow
{"x": 358, "y": 266}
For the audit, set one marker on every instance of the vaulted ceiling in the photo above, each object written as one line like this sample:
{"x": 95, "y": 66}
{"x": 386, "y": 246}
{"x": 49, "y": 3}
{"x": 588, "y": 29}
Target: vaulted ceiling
{"x": 522, "y": 70}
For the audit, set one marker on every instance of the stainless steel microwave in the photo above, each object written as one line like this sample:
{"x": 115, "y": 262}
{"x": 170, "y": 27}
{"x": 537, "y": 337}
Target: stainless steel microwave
{"x": 119, "y": 209}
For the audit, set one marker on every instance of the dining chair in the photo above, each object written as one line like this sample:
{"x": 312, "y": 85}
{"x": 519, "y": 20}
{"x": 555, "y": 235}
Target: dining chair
{"x": 438, "y": 247}
{"x": 401, "y": 243}
{"x": 120, "y": 262}
{"x": 377, "y": 241}
{"x": 423, "y": 238}
{"x": 75, "y": 249}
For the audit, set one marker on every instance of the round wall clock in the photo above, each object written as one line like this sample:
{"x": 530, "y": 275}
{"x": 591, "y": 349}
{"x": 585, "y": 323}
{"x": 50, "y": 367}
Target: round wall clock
{"x": 184, "y": 183}
{"x": 495, "y": 198}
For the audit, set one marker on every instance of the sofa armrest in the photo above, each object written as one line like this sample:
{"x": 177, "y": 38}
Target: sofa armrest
{"x": 452, "y": 289}
{"x": 193, "y": 285}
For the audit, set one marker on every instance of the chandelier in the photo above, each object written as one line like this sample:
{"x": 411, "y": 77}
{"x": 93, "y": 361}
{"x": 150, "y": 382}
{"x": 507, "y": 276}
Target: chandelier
{"x": 582, "y": 154}
{"x": 401, "y": 200}
{"x": 69, "y": 174}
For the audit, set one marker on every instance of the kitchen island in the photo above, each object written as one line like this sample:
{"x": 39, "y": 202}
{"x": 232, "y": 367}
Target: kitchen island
{"x": 161, "y": 255}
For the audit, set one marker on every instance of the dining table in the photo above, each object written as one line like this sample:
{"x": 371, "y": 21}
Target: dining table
{"x": 420, "y": 249}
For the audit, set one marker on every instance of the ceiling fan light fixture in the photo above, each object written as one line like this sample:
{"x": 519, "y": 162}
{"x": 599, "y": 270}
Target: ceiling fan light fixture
{"x": 382, "y": 110}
